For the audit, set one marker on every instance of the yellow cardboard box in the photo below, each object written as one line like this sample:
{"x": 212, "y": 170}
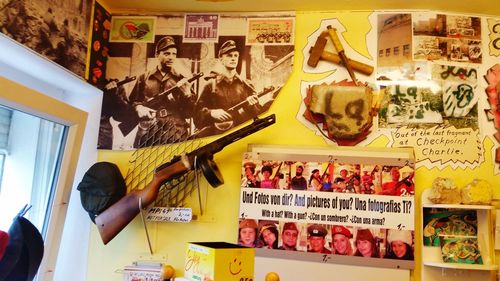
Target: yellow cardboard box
{"x": 219, "y": 261}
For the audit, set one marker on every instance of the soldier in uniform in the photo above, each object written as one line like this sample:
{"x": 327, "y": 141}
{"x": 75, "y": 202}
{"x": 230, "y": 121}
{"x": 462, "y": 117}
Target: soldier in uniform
{"x": 289, "y": 235}
{"x": 316, "y": 236}
{"x": 226, "y": 90}
{"x": 175, "y": 107}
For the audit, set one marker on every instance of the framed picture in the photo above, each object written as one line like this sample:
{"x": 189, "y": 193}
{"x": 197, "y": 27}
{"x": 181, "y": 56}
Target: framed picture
{"x": 132, "y": 29}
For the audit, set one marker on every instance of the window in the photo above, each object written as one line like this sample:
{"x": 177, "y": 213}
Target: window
{"x": 36, "y": 169}
{"x": 41, "y": 88}
{"x": 396, "y": 51}
{"x": 380, "y": 53}
{"x": 406, "y": 49}
{"x": 2, "y": 160}
{"x": 387, "y": 52}
{"x": 30, "y": 165}
{"x": 5, "y": 117}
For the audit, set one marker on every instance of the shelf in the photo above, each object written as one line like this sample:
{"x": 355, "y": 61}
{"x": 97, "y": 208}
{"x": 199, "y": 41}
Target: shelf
{"x": 461, "y": 265}
{"x": 457, "y": 206}
{"x": 427, "y": 204}
{"x": 433, "y": 266}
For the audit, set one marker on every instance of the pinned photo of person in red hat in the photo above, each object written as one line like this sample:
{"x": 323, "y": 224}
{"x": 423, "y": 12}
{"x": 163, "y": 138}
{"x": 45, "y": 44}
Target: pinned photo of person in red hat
{"x": 289, "y": 236}
{"x": 366, "y": 245}
{"x": 247, "y": 235}
{"x": 341, "y": 241}
{"x": 399, "y": 244}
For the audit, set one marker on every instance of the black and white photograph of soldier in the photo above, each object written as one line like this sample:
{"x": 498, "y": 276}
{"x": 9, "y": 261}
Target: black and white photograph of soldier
{"x": 228, "y": 99}
{"x": 56, "y": 29}
{"x": 201, "y": 89}
{"x": 163, "y": 94}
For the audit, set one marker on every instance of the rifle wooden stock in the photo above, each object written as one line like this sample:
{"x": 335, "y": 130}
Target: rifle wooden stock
{"x": 115, "y": 218}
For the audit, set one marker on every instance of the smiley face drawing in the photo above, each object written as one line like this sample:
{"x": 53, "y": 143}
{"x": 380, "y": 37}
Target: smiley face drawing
{"x": 235, "y": 267}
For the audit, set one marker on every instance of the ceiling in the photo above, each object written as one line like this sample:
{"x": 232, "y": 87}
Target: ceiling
{"x": 483, "y": 7}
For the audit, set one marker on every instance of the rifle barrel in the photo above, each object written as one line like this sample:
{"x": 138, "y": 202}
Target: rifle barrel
{"x": 194, "y": 77}
{"x": 218, "y": 145}
{"x": 260, "y": 94}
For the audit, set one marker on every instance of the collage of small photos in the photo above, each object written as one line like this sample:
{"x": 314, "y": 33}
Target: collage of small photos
{"x": 327, "y": 239}
{"x": 435, "y": 66}
{"x": 329, "y": 177}
{"x": 337, "y": 239}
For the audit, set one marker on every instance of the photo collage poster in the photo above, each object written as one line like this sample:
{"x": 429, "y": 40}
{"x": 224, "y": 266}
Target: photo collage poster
{"x": 430, "y": 84}
{"x": 431, "y": 81}
{"x": 328, "y": 209}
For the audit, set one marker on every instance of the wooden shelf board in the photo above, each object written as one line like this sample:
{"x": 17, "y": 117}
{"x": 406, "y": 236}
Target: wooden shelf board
{"x": 457, "y": 206}
{"x": 461, "y": 265}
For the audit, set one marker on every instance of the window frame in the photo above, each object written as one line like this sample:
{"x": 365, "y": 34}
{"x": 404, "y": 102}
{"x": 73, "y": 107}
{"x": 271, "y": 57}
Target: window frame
{"x": 406, "y": 49}
{"x": 17, "y": 96}
{"x": 70, "y": 259}
{"x": 2, "y": 163}
{"x": 395, "y": 50}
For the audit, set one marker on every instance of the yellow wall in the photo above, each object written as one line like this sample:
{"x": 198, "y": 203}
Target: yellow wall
{"x": 220, "y": 221}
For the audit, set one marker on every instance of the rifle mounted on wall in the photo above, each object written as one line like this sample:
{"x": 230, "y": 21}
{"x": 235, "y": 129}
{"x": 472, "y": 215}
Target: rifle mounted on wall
{"x": 112, "y": 220}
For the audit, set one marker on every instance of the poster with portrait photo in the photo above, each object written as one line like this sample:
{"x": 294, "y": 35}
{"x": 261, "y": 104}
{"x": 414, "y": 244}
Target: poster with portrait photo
{"x": 209, "y": 68}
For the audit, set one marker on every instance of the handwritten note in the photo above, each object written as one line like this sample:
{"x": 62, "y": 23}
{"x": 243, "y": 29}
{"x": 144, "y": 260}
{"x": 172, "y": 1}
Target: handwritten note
{"x": 494, "y": 34}
{"x": 441, "y": 144}
{"x": 165, "y": 214}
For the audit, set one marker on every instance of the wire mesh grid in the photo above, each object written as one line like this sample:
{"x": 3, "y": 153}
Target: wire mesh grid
{"x": 161, "y": 143}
